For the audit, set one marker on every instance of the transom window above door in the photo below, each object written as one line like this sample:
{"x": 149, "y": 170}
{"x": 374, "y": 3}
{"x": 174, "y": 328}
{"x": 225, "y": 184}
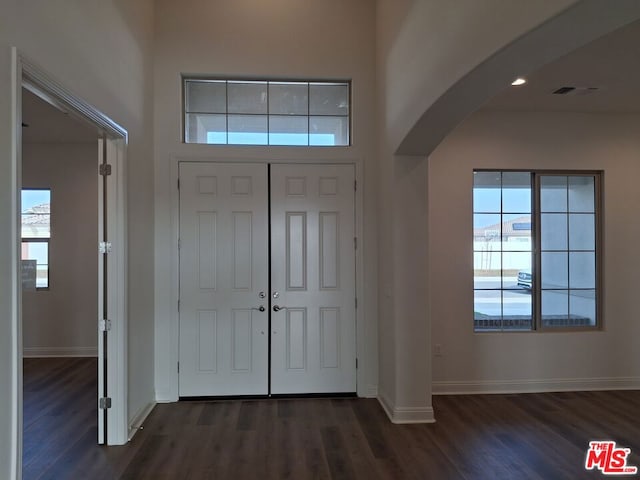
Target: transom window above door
{"x": 261, "y": 112}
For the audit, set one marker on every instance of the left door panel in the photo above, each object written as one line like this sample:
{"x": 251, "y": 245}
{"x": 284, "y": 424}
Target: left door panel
{"x": 223, "y": 269}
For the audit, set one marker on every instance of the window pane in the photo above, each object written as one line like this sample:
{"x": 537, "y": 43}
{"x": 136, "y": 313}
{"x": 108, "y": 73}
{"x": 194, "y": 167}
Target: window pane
{"x": 288, "y": 131}
{"x": 36, "y": 213}
{"x": 289, "y": 98}
{"x": 582, "y": 307}
{"x": 554, "y": 270}
{"x": 247, "y": 98}
{"x": 516, "y": 310}
{"x": 582, "y": 270}
{"x": 582, "y": 231}
{"x": 581, "y": 194}
{"x": 206, "y": 97}
{"x": 328, "y": 131}
{"x": 516, "y": 232}
{"x": 38, "y": 251}
{"x": 206, "y": 128}
{"x": 487, "y": 306}
{"x": 329, "y": 99}
{"x": 247, "y": 129}
{"x": 512, "y": 264}
{"x": 555, "y": 308}
{"x": 487, "y": 227}
{"x": 486, "y": 269}
{"x": 553, "y": 231}
{"x": 486, "y": 192}
{"x": 516, "y": 192}
{"x": 553, "y": 193}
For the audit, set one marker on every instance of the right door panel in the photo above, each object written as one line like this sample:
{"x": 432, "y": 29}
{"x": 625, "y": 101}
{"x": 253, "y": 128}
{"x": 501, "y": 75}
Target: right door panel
{"x": 313, "y": 333}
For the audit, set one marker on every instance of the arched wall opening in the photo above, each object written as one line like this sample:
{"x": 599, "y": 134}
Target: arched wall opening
{"x": 411, "y": 129}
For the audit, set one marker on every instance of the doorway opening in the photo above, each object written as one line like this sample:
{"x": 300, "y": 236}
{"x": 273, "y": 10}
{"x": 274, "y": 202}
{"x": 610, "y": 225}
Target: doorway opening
{"x": 71, "y": 323}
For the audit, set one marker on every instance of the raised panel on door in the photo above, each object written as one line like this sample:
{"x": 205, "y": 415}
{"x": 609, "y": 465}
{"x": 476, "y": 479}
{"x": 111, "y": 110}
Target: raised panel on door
{"x": 223, "y": 268}
{"x": 313, "y": 341}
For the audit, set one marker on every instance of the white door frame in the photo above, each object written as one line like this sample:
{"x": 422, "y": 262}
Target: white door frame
{"x": 29, "y": 75}
{"x": 364, "y": 355}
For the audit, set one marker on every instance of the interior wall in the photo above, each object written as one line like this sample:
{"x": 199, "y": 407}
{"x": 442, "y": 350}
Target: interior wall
{"x": 102, "y": 52}
{"x": 282, "y": 39}
{"x": 492, "y": 362}
{"x": 62, "y": 321}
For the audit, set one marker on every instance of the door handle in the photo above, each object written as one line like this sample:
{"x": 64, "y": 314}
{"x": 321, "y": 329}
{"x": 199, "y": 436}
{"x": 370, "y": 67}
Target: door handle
{"x": 260, "y": 308}
{"x": 277, "y": 308}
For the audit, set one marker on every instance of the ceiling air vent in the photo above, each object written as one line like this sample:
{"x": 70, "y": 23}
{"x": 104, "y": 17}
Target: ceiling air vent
{"x": 575, "y": 90}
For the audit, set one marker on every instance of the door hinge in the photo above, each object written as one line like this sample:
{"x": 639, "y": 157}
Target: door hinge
{"x": 355, "y": 185}
{"x": 105, "y": 169}
{"x": 105, "y": 247}
{"x": 356, "y": 363}
{"x": 178, "y": 305}
{"x": 355, "y": 243}
{"x": 356, "y": 303}
{"x": 178, "y": 184}
{"x": 178, "y": 244}
{"x": 104, "y": 403}
{"x": 178, "y": 367}
{"x": 105, "y": 325}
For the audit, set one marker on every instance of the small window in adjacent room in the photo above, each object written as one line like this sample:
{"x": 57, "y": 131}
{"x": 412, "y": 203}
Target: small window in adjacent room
{"x": 536, "y": 244}
{"x": 290, "y": 113}
{"x": 36, "y": 232}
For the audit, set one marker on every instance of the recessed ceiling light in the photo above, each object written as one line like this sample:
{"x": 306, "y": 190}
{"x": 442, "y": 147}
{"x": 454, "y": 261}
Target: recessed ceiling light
{"x": 518, "y": 81}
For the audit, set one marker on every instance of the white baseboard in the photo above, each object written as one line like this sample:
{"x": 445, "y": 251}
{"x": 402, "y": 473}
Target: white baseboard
{"x": 139, "y": 418}
{"x": 37, "y": 352}
{"x": 535, "y": 385}
{"x": 401, "y": 415}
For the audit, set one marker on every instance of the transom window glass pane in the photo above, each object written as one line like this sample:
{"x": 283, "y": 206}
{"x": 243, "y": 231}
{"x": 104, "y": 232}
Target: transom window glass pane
{"x": 288, "y": 130}
{"x": 204, "y": 128}
{"x": 289, "y": 98}
{"x": 328, "y": 99}
{"x": 248, "y": 130}
{"x": 286, "y": 113}
{"x": 206, "y": 96}
{"x": 327, "y": 131}
{"x": 247, "y": 97}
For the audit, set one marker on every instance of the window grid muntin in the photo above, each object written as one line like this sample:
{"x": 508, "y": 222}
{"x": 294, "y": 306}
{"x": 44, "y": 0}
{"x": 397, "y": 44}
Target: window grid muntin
{"x": 536, "y": 304}
{"x": 347, "y": 117}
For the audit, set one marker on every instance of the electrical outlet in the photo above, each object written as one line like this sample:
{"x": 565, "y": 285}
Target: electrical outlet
{"x": 437, "y": 350}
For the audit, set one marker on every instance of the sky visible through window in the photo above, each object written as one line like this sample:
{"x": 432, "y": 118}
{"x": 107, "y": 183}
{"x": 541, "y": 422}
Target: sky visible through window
{"x": 31, "y": 198}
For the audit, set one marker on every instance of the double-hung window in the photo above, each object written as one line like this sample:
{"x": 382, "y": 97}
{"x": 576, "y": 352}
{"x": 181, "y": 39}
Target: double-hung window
{"x": 36, "y": 232}
{"x": 536, "y": 250}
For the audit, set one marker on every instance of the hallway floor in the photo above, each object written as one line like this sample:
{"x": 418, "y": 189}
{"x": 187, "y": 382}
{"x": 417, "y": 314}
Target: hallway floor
{"x": 533, "y": 436}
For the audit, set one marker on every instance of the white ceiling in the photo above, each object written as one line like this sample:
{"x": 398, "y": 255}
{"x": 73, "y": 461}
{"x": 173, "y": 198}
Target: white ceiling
{"x": 47, "y": 124}
{"x": 611, "y": 63}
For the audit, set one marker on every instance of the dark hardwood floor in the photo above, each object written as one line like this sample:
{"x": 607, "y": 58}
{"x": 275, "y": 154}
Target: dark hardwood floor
{"x": 533, "y": 436}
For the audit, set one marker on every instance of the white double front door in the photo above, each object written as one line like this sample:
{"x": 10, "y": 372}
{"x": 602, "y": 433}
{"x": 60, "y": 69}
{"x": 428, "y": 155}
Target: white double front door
{"x": 267, "y": 279}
